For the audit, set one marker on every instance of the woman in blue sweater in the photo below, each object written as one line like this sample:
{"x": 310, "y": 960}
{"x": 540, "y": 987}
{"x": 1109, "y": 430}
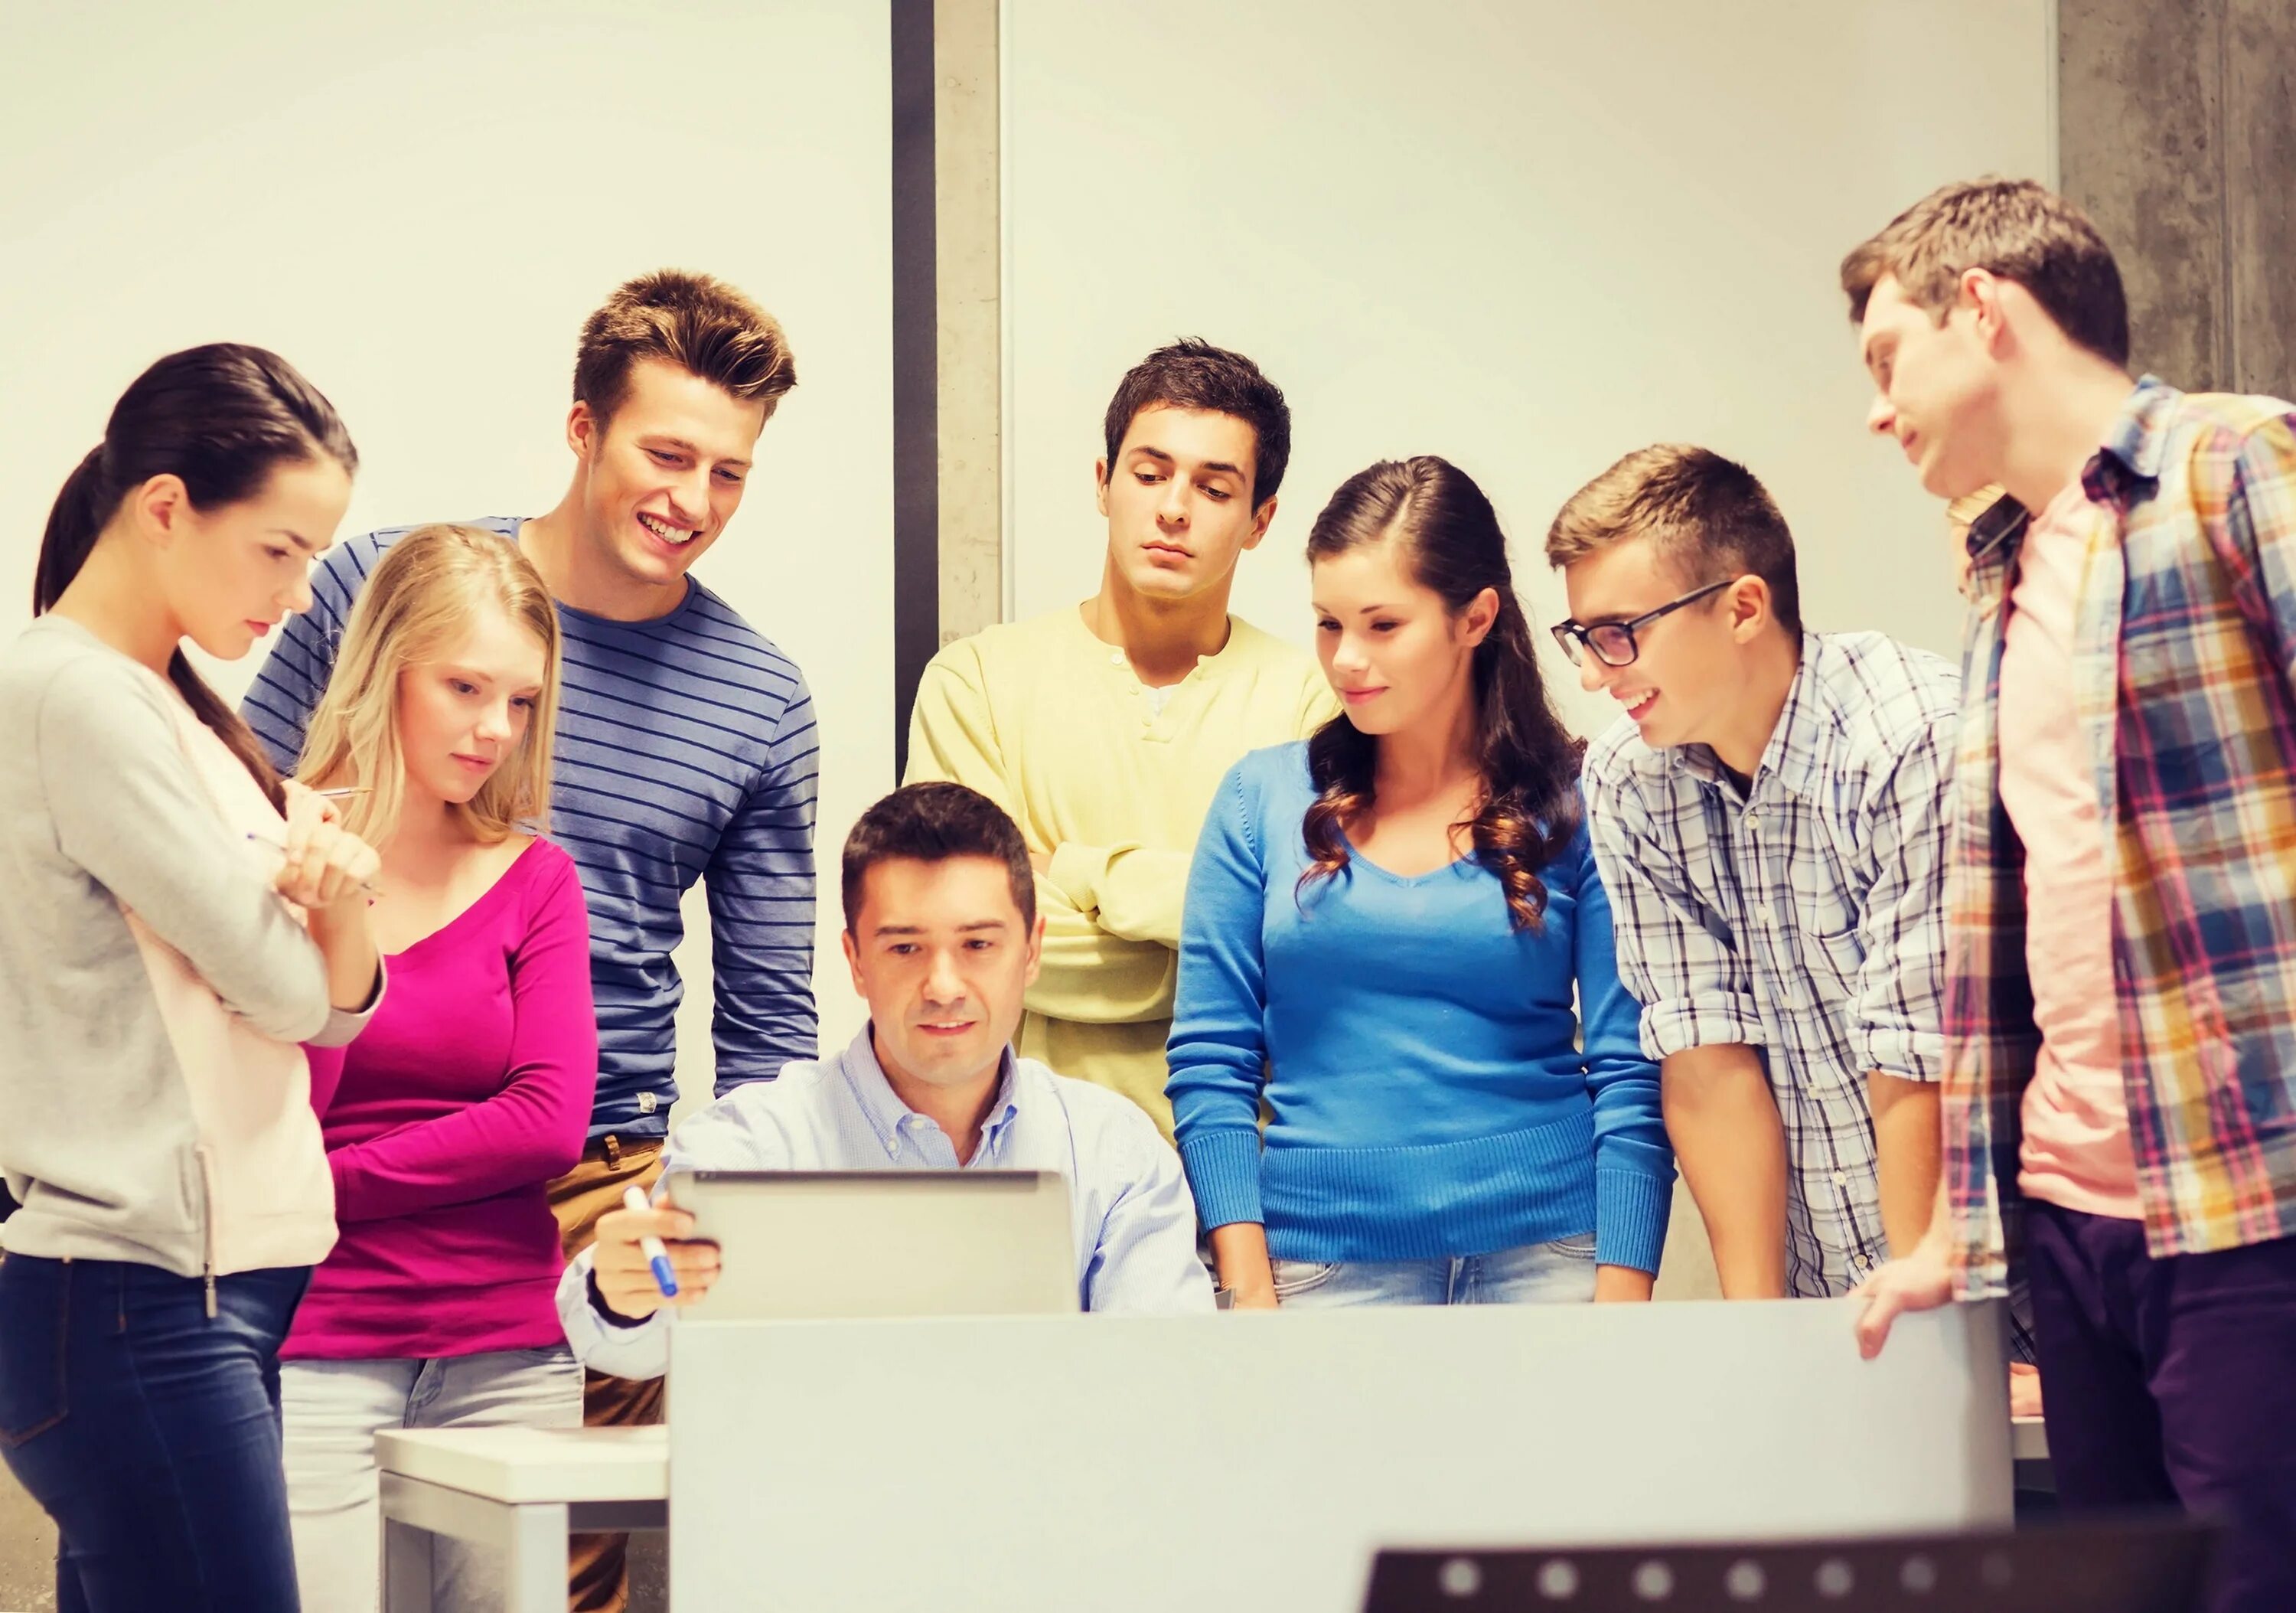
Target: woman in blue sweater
{"x": 1385, "y": 927}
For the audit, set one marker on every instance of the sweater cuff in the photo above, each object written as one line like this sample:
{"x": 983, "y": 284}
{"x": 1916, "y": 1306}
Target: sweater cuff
{"x": 344, "y": 1026}
{"x": 1630, "y": 1216}
{"x": 1223, "y": 1171}
{"x": 1076, "y": 872}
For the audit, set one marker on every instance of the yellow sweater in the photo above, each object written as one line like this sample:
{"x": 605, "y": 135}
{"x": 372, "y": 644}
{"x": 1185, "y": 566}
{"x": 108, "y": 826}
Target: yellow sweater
{"x": 1054, "y": 725}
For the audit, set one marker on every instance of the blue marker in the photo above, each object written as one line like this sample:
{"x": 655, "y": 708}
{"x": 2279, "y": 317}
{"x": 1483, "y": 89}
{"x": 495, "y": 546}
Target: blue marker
{"x": 633, "y": 1199}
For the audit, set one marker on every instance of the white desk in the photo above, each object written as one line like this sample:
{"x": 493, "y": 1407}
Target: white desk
{"x": 526, "y": 1489}
{"x": 522, "y": 1490}
{"x": 1040, "y": 1464}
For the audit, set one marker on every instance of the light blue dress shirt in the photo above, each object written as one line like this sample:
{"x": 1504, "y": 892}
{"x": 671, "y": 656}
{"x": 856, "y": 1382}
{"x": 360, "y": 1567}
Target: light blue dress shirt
{"x": 1135, "y": 1223}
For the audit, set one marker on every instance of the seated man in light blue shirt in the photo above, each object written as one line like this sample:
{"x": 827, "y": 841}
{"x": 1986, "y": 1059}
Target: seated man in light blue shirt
{"x": 943, "y": 936}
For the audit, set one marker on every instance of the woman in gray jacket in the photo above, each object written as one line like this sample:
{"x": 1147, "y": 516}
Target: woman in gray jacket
{"x": 178, "y": 922}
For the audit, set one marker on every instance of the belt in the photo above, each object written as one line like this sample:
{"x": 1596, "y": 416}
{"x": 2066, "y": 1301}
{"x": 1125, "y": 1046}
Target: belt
{"x": 613, "y": 1150}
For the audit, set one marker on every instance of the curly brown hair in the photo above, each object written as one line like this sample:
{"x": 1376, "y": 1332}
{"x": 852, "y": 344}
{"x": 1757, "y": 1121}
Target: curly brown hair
{"x": 1449, "y": 541}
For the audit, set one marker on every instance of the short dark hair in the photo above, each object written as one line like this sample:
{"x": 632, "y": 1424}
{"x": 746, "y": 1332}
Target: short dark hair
{"x": 932, "y": 823}
{"x": 1706, "y": 514}
{"x": 2016, "y": 229}
{"x": 696, "y": 322}
{"x": 1192, "y": 374}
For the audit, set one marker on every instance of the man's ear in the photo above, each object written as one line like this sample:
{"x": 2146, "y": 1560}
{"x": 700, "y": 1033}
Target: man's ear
{"x": 1035, "y": 948}
{"x": 582, "y": 431}
{"x": 1751, "y": 608}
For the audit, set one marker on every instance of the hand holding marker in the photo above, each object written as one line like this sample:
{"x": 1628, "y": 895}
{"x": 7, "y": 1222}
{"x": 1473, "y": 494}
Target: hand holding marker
{"x": 633, "y": 1199}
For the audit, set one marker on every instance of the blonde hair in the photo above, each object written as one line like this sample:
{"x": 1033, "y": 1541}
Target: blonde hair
{"x": 420, "y": 601}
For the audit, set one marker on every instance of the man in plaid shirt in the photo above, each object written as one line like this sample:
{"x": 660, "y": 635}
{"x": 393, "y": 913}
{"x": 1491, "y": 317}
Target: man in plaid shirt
{"x": 1768, "y": 814}
{"x": 2120, "y": 1100}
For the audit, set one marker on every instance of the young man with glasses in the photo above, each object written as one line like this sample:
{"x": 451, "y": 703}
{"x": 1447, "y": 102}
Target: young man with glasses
{"x": 1769, "y": 819}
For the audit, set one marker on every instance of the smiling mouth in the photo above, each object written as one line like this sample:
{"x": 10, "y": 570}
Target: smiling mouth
{"x": 676, "y": 537}
{"x": 1639, "y": 706}
{"x": 937, "y": 1028}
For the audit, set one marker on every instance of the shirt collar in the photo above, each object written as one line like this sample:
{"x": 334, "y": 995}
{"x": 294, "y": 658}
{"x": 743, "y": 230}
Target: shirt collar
{"x": 2129, "y": 456}
{"x": 2135, "y": 446}
{"x": 887, "y": 1116}
{"x": 1993, "y": 533}
{"x": 1791, "y": 754}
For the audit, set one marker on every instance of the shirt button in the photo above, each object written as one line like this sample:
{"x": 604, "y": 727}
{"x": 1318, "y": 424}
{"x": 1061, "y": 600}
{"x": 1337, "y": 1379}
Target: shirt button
{"x": 1842, "y": 1179}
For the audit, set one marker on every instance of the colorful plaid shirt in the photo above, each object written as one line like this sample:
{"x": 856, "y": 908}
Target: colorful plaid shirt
{"x": 2185, "y": 653}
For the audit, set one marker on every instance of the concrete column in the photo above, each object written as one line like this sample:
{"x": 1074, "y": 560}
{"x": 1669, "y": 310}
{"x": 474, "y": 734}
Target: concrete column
{"x": 969, "y": 263}
{"x": 2177, "y": 124}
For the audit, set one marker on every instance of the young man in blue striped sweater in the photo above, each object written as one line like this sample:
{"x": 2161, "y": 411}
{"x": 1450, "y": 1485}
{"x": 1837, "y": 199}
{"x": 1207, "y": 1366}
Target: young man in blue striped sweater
{"x": 686, "y": 747}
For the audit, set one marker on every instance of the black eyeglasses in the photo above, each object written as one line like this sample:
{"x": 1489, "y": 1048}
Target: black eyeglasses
{"x": 1613, "y": 642}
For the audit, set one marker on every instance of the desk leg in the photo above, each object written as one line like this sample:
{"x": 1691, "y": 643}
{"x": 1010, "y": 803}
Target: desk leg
{"x": 406, "y": 1568}
{"x": 534, "y": 1581}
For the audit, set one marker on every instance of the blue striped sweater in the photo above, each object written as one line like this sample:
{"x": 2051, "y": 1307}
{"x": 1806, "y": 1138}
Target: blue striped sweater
{"x": 686, "y": 750}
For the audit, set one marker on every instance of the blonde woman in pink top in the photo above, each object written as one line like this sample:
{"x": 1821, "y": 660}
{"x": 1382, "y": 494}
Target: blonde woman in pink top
{"x": 176, "y": 922}
{"x": 472, "y": 1091}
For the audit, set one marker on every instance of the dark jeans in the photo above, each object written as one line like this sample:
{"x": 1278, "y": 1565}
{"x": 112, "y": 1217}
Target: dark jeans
{"x": 2173, "y": 1383}
{"x": 150, "y": 1431}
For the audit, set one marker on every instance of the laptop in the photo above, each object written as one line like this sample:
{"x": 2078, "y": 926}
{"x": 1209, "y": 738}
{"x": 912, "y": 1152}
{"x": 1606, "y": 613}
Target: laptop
{"x": 817, "y": 1244}
{"x": 2152, "y": 1564}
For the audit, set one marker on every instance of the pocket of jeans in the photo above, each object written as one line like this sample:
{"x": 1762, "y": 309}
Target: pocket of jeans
{"x": 1578, "y": 1245}
{"x": 35, "y": 1343}
{"x": 1298, "y": 1276}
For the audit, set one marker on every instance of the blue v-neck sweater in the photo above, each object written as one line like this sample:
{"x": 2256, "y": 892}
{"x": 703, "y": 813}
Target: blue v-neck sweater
{"x": 1420, "y": 1059}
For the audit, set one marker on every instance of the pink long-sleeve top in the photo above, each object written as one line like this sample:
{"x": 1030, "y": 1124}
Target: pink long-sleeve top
{"x": 444, "y": 1124}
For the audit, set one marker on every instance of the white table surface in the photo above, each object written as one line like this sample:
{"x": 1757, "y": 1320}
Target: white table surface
{"x": 523, "y": 1467}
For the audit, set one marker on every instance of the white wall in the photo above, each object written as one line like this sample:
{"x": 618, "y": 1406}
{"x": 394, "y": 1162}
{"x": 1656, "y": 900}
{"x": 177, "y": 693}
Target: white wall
{"x": 1530, "y": 237}
{"x": 418, "y": 203}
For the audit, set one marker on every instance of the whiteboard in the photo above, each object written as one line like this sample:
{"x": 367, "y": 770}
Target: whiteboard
{"x": 418, "y": 204}
{"x": 1257, "y": 1461}
{"x": 1529, "y": 236}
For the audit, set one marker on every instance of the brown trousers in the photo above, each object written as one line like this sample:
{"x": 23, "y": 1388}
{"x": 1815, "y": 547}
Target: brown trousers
{"x": 598, "y": 1571}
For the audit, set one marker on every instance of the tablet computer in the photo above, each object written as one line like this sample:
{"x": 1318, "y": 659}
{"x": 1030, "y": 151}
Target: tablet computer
{"x": 833, "y": 1244}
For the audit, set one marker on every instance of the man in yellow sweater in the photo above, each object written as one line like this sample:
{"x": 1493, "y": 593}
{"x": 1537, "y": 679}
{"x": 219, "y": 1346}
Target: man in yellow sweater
{"x": 1104, "y": 728}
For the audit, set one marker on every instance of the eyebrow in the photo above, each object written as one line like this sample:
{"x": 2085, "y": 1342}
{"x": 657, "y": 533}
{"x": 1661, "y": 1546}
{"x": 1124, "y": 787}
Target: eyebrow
{"x": 680, "y": 442}
{"x": 1369, "y": 610}
{"x": 1162, "y": 458}
{"x": 962, "y": 929}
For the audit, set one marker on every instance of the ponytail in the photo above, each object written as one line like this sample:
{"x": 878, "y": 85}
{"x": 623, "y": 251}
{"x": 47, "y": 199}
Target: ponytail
{"x": 74, "y": 520}
{"x": 221, "y": 418}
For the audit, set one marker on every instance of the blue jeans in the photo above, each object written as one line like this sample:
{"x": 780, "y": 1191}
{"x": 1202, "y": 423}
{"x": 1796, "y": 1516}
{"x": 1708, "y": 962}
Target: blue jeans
{"x": 150, "y": 1431}
{"x": 1561, "y": 1272}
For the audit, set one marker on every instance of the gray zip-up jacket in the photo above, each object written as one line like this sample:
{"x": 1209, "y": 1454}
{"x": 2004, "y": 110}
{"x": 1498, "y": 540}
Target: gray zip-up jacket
{"x": 154, "y": 1103}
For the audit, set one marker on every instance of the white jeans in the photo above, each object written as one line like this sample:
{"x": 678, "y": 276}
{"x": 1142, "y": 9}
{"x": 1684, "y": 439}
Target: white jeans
{"x": 331, "y": 1410}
